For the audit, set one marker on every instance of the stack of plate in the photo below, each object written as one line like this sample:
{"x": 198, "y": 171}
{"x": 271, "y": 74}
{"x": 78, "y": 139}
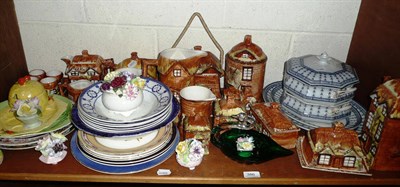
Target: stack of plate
{"x": 274, "y": 93}
{"x": 110, "y": 142}
{"x": 14, "y": 137}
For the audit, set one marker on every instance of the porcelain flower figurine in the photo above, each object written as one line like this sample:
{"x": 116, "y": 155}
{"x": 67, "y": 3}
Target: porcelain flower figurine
{"x": 28, "y": 111}
{"x": 52, "y": 148}
{"x": 245, "y": 144}
{"x": 122, "y": 91}
{"x": 189, "y": 153}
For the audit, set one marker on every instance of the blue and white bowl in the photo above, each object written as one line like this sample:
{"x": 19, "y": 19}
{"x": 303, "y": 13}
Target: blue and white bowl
{"x": 320, "y": 79}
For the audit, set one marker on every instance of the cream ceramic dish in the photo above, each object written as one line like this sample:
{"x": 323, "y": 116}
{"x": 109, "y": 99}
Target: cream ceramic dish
{"x": 127, "y": 142}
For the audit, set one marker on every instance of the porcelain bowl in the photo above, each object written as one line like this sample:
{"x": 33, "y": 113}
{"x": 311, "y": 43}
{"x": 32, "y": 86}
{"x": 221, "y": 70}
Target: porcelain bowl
{"x": 313, "y": 112}
{"x": 320, "y": 79}
{"x": 322, "y": 95}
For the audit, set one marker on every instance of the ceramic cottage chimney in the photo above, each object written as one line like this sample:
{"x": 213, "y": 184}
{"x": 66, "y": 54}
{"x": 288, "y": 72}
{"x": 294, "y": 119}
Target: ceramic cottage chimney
{"x": 245, "y": 68}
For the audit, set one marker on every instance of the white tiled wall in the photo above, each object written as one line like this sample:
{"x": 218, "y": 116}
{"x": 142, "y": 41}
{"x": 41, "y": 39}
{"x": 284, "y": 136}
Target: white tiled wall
{"x": 51, "y": 29}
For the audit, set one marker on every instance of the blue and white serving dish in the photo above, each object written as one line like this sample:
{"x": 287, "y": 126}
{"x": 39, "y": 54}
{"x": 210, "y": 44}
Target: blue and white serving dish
{"x": 274, "y": 91}
{"x": 320, "y": 79}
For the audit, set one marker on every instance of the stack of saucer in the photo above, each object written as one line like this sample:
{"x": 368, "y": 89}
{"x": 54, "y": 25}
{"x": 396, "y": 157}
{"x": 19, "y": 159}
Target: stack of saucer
{"x": 111, "y": 142}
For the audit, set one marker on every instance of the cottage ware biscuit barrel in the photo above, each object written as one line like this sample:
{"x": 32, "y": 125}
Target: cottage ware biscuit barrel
{"x": 245, "y": 68}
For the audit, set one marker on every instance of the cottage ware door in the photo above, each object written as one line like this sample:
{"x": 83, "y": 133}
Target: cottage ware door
{"x": 12, "y": 63}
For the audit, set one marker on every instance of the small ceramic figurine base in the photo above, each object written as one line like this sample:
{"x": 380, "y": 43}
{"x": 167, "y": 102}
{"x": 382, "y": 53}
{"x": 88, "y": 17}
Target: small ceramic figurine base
{"x": 53, "y": 159}
{"x": 191, "y": 164}
{"x": 189, "y": 153}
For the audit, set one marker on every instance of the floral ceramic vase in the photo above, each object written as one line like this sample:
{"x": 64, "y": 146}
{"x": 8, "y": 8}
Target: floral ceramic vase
{"x": 122, "y": 91}
{"x": 189, "y": 153}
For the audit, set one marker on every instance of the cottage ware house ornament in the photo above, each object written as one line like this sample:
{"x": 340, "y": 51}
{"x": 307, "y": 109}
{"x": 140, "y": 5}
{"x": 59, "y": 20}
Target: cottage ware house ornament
{"x": 332, "y": 149}
{"x": 381, "y": 129}
{"x": 245, "y": 68}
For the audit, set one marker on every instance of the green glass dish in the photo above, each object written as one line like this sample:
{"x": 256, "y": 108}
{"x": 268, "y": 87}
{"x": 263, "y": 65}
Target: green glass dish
{"x": 260, "y": 148}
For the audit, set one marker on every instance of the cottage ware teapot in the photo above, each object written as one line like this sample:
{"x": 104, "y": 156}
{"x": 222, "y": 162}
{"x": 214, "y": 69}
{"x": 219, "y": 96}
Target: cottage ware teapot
{"x": 87, "y": 66}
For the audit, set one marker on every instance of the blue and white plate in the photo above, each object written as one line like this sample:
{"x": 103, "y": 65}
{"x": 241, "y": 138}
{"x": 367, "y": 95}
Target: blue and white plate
{"x": 157, "y": 98}
{"x": 111, "y": 127}
{"x": 273, "y": 93}
{"x": 110, "y": 169}
{"x": 138, "y": 130}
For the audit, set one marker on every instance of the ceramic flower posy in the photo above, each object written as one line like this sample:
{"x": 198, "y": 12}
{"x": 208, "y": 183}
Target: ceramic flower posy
{"x": 245, "y": 144}
{"x": 124, "y": 84}
{"x": 190, "y": 153}
{"x": 52, "y": 148}
{"x": 27, "y": 107}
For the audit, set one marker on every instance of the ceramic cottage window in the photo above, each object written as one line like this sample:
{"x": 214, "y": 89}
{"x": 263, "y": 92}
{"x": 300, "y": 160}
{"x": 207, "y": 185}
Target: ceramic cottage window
{"x": 349, "y": 161}
{"x": 247, "y": 73}
{"x": 324, "y": 159}
{"x": 177, "y": 73}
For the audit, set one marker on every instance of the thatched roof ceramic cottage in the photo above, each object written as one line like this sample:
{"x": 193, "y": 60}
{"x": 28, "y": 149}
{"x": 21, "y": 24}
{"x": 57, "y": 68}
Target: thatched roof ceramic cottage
{"x": 179, "y": 68}
{"x": 333, "y": 149}
{"x": 87, "y": 66}
{"x": 381, "y": 131}
{"x": 245, "y": 68}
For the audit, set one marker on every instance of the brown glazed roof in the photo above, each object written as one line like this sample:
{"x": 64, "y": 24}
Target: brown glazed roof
{"x": 248, "y": 45}
{"x": 388, "y": 93}
{"x": 335, "y": 135}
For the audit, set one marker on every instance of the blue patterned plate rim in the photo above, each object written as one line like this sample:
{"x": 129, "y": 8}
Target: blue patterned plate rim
{"x": 92, "y": 95}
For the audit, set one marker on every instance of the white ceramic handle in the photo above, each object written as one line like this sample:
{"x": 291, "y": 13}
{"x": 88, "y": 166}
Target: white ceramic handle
{"x": 339, "y": 93}
{"x": 337, "y": 110}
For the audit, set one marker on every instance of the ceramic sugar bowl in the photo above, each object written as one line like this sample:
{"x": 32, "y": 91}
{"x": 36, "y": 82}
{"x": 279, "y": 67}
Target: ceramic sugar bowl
{"x": 26, "y": 89}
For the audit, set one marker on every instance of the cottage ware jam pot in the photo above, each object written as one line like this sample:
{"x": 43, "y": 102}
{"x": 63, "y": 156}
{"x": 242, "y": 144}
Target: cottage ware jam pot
{"x": 27, "y": 90}
{"x": 320, "y": 79}
{"x": 245, "y": 68}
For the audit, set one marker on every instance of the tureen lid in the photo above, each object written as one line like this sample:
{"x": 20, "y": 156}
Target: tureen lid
{"x": 321, "y": 70}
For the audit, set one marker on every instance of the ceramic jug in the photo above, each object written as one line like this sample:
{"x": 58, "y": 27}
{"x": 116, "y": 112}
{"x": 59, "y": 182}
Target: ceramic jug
{"x": 197, "y": 100}
{"x": 181, "y": 67}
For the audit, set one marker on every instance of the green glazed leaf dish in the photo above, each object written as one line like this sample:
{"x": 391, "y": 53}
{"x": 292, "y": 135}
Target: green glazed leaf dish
{"x": 247, "y": 146}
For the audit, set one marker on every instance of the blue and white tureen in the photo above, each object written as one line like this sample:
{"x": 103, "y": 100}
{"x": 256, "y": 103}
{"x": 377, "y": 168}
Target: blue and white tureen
{"x": 318, "y": 88}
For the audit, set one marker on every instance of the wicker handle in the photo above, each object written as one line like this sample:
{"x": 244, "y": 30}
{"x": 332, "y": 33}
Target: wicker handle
{"x": 221, "y": 57}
